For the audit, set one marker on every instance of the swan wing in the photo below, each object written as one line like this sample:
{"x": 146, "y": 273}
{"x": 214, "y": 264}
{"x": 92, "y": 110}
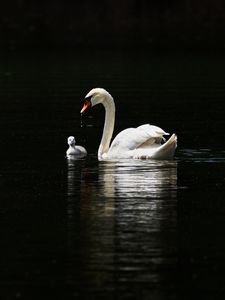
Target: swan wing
{"x": 162, "y": 151}
{"x": 153, "y": 130}
{"x": 155, "y": 133}
{"x": 142, "y": 136}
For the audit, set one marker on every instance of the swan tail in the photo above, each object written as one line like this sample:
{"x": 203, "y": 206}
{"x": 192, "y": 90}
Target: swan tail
{"x": 166, "y": 151}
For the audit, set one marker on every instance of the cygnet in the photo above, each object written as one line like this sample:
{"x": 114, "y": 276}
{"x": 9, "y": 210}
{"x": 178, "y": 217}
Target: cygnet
{"x": 75, "y": 150}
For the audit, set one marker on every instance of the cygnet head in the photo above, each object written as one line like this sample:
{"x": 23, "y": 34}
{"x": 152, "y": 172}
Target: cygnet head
{"x": 71, "y": 141}
{"x": 95, "y": 96}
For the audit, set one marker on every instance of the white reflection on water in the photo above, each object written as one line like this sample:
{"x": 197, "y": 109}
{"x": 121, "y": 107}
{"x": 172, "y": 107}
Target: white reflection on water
{"x": 142, "y": 192}
{"x": 138, "y": 178}
{"x": 125, "y": 179}
{"x": 131, "y": 185}
{"x": 120, "y": 215}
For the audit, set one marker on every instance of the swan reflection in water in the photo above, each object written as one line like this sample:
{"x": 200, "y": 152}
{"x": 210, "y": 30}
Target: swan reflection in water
{"x": 121, "y": 220}
{"x": 138, "y": 178}
{"x": 115, "y": 184}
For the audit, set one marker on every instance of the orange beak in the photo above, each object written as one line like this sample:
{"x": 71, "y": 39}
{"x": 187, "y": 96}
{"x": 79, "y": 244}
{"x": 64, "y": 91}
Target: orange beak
{"x": 85, "y": 106}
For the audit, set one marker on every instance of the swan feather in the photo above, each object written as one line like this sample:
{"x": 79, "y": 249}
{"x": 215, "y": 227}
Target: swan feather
{"x": 132, "y": 138}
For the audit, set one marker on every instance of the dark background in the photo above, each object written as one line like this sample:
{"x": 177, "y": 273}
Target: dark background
{"x": 91, "y": 230}
{"x": 160, "y": 24}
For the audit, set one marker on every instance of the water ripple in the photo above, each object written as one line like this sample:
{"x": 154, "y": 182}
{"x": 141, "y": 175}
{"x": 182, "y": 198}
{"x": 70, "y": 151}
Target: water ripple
{"x": 201, "y": 155}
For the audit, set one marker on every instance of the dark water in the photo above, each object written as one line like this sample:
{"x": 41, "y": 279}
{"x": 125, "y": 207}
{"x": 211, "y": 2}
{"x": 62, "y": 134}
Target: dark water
{"x": 111, "y": 230}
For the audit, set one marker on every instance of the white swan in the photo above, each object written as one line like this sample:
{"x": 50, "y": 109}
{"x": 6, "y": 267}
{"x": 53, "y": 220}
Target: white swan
{"x": 75, "y": 150}
{"x": 144, "y": 142}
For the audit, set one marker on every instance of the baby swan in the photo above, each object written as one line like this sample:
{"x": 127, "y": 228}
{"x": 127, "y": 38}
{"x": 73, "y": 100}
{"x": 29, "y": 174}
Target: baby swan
{"x": 75, "y": 151}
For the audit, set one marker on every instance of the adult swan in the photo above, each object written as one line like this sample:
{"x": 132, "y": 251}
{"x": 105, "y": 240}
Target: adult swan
{"x": 143, "y": 142}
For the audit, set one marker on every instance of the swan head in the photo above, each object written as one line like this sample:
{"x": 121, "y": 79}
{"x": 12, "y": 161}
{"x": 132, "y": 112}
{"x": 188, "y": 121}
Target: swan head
{"x": 71, "y": 141}
{"x": 95, "y": 96}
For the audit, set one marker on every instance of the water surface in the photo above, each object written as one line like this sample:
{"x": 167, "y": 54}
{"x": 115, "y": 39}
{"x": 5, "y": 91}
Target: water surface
{"x": 122, "y": 229}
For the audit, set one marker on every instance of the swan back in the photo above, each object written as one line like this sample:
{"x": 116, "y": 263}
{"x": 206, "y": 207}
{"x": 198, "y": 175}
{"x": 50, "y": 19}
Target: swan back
{"x": 134, "y": 141}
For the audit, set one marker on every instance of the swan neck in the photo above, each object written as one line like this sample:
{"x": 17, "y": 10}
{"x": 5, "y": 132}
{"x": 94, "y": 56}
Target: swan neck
{"x": 109, "y": 106}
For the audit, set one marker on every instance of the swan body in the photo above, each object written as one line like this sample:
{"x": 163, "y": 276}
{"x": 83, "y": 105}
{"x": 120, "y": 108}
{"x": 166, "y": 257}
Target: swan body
{"x": 144, "y": 142}
{"x": 75, "y": 150}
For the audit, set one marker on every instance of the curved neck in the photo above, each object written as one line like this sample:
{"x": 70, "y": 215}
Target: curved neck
{"x": 109, "y": 106}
